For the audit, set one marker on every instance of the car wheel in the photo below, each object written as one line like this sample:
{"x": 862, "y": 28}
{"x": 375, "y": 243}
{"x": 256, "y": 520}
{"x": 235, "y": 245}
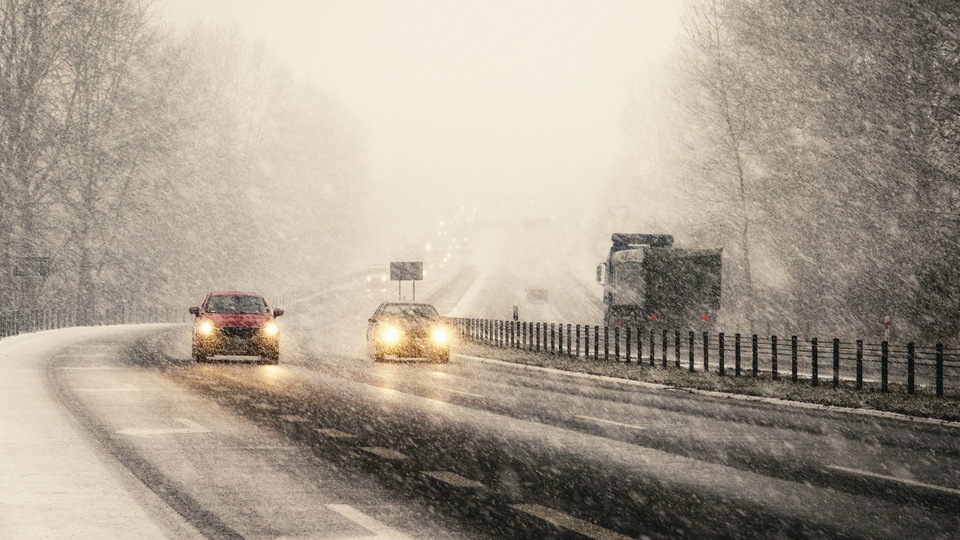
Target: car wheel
{"x": 270, "y": 359}
{"x": 198, "y": 356}
{"x": 443, "y": 358}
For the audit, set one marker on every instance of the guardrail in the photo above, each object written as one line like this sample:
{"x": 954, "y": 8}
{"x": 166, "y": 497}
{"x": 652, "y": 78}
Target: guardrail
{"x": 892, "y": 365}
{"x": 24, "y": 321}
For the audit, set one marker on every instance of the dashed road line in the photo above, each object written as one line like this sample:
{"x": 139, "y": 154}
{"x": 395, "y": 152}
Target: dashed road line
{"x": 895, "y": 479}
{"x": 610, "y": 422}
{"x": 191, "y": 427}
{"x": 367, "y": 522}
{"x": 385, "y": 453}
{"x": 265, "y": 406}
{"x": 335, "y": 433}
{"x": 73, "y": 368}
{"x": 462, "y": 393}
{"x": 453, "y": 479}
{"x": 125, "y": 388}
{"x": 569, "y": 522}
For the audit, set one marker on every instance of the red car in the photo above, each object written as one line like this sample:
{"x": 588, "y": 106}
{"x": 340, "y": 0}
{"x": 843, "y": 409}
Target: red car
{"x": 236, "y": 323}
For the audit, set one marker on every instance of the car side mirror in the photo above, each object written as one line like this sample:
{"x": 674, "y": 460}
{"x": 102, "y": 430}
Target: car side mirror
{"x": 277, "y": 312}
{"x": 372, "y": 319}
{"x": 195, "y": 311}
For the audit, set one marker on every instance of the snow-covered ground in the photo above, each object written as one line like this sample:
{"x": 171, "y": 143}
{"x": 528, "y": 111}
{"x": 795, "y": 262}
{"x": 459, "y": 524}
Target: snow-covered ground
{"x": 53, "y": 481}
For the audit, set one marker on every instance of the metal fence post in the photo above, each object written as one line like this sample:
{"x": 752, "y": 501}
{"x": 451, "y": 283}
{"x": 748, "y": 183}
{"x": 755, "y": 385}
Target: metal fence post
{"x": 794, "y": 354}
{"x": 911, "y": 366}
{"x": 553, "y": 338}
{"x": 578, "y": 341}
{"x": 569, "y": 335}
{"x": 720, "y": 354}
{"x": 836, "y": 362}
{"x": 814, "y": 363}
{"x": 884, "y": 366}
{"x": 596, "y": 341}
{"x": 538, "y": 337}
{"x": 939, "y": 369}
{"x": 692, "y": 347}
{"x": 755, "y": 366}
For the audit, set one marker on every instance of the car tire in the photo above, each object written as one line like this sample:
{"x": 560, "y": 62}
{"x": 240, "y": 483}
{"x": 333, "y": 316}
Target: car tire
{"x": 270, "y": 359}
{"x": 198, "y": 356}
{"x": 443, "y": 358}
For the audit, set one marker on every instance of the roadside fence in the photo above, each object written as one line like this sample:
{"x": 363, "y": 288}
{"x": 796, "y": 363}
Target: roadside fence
{"x": 33, "y": 320}
{"x": 891, "y": 365}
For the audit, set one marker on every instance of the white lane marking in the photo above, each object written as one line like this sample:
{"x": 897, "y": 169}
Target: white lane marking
{"x": 125, "y": 388}
{"x": 335, "y": 433}
{"x": 569, "y": 522}
{"x": 265, "y": 406}
{"x": 89, "y": 367}
{"x": 453, "y": 479}
{"x": 367, "y": 522}
{"x": 292, "y": 418}
{"x": 462, "y": 393}
{"x": 610, "y": 422}
{"x": 895, "y": 479}
{"x": 385, "y": 453}
{"x": 191, "y": 427}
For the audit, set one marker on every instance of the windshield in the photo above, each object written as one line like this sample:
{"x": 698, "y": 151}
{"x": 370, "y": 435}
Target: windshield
{"x": 417, "y": 311}
{"x": 236, "y": 304}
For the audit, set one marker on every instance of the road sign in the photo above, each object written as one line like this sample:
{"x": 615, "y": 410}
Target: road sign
{"x": 406, "y": 271}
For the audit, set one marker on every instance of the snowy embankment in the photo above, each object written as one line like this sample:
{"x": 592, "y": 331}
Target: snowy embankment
{"x": 54, "y": 480}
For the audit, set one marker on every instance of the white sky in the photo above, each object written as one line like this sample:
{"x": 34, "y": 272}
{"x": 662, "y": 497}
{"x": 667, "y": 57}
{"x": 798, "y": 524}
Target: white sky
{"x": 467, "y": 103}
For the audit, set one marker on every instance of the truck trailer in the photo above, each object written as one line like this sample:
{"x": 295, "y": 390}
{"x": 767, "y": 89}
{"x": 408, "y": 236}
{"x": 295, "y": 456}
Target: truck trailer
{"x": 648, "y": 281}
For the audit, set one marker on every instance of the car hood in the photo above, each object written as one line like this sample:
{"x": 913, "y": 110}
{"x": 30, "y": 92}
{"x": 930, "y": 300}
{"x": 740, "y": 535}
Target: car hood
{"x": 238, "y": 319}
{"x": 411, "y": 323}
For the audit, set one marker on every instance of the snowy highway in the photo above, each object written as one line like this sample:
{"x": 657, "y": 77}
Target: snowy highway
{"x": 331, "y": 445}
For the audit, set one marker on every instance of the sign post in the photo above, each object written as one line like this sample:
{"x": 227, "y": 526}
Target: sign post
{"x": 406, "y": 271}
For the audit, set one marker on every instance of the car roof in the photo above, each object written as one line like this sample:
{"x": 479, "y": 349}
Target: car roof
{"x": 232, "y": 293}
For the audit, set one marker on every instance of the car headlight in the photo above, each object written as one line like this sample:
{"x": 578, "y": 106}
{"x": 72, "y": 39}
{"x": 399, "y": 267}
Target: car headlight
{"x": 390, "y": 335}
{"x": 440, "y": 336}
{"x": 206, "y": 328}
{"x": 271, "y": 329}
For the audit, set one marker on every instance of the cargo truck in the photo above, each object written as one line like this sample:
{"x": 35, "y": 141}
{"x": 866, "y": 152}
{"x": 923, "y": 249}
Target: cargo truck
{"x": 648, "y": 281}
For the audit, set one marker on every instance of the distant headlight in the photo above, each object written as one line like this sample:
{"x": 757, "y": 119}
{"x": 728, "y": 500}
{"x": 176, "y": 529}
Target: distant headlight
{"x": 440, "y": 336}
{"x": 271, "y": 329}
{"x": 390, "y": 335}
{"x": 207, "y": 328}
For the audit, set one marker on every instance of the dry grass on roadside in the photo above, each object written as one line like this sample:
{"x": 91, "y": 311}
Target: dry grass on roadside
{"x": 924, "y": 403}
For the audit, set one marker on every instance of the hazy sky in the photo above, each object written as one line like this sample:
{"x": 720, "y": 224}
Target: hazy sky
{"x": 467, "y": 103}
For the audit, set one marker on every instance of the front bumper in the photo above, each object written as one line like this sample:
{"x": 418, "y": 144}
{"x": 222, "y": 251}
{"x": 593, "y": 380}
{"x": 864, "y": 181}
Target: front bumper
{"x": 243, "y": 341}
{"x": 413, "y": 348}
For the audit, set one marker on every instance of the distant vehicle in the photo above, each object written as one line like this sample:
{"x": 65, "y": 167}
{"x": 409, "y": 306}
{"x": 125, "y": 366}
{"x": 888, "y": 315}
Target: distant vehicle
{"x": 647, "y": 280}
{"x": 236, "y": 323}
{"x": 377, "y": 278}
{"x": 408, "y": 330}
{"x": 538, "y": 295}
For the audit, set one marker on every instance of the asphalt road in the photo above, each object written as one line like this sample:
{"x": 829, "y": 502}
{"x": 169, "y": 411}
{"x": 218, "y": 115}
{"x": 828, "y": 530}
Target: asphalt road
{"x": 331, "y": 445}
{"x": 334, "y": 446}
